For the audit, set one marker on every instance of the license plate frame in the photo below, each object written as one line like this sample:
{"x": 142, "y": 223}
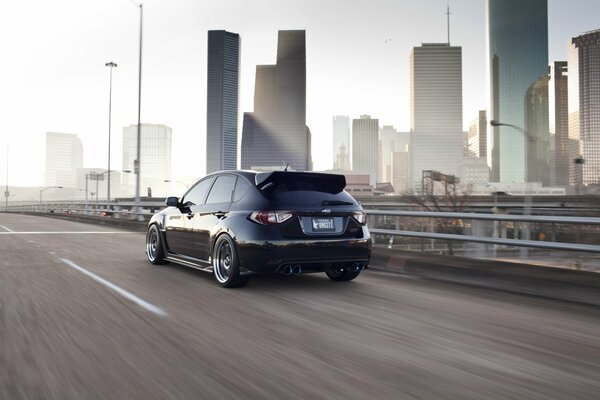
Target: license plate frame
{"x": 323, "y": 225}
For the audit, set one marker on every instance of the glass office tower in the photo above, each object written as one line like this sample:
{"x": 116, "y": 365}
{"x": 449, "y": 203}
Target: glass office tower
{"x": 518, "y": 76}
{"x": 222, "y": 100}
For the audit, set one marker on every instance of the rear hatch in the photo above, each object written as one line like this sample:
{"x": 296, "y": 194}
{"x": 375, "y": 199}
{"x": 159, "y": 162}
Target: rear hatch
{"x": 312, "y": 205}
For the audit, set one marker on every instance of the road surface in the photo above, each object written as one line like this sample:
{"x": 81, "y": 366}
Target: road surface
{"x": 83, "y": 315}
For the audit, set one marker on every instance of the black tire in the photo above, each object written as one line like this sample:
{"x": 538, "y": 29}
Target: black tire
{"x": 226, "y": 264}
{"x": 155, "y": 250}
{"x": 341, "y": 274}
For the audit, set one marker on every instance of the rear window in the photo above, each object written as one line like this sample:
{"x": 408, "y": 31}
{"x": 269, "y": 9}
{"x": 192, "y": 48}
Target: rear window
{"x": 307, "y": 189}
{"x": 278, "y": 182}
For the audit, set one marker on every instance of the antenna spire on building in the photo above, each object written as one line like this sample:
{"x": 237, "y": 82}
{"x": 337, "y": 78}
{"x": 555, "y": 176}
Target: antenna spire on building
{"x": 448, "y": 15}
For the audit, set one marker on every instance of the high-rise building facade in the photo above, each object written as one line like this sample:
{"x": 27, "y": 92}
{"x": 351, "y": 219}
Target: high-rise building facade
{"x": 341, "y": 142}
{"x": 436, "y": 109}
{"x": 390, "y": 141}
{"x": 558, "y": 115}
{"x": 222, "y": 100}
{"x": 477, "y": 137}
{"x": 518, "y": 76}
{"x": 400, "y": 171}
{"x": 276, "y": 132}
{"x": 155, "y": 154}
{"x": 584, "y": 103}
{"x": 365, "y": 146}
{"x": 64, "y": 156}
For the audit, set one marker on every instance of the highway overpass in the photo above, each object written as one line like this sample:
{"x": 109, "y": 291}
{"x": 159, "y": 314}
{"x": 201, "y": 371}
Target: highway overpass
{"x": 83, "y": 315}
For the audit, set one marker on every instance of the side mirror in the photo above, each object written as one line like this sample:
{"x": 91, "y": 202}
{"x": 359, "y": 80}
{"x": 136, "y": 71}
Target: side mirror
{"x": 172, "y": 202}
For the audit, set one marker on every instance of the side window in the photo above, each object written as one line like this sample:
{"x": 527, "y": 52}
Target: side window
{"x": 197, "y": 194}
{"x": 241, "y": 188}
{"x": 222, "y": 189}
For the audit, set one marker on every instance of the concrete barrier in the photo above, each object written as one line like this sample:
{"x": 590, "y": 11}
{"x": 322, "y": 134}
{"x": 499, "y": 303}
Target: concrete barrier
{"x": 556, "y": 283}
{"x": 130, "y": 224}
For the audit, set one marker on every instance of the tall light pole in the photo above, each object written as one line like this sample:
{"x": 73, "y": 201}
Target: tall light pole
{"x": 46, "y": 188}
{"x": 6, "y": 192}
{"x": 181, "y": 183}
{"x": 137, "y": 162}
{"x": 527, "y": 197}
{"x": 97, "y": 177}
{"x": 110, "y": 65}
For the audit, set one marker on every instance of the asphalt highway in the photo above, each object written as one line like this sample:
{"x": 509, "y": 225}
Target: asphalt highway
{"x": 83, "y": 315}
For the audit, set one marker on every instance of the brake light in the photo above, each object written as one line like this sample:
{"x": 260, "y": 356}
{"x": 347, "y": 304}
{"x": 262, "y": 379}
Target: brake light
{"x": 270, "y": 217}
{"x": 360, "y": 217}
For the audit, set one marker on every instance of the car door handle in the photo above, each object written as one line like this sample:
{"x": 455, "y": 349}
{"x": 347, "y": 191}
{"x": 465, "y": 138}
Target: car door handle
{"x": 190, "y": 215}
{"x": 220, "y": 214}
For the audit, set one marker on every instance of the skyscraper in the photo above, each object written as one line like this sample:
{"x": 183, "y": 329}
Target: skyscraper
{"x": 518, "y": 74}
{"x": 390, "y": 141}
{"x": 436, "y": 109}
{"x": 222, "y": 100}
{"x": 341, "y": 142}
{"x": 477, "y": 136}
{"x": 155, "y": 154}
{"x": 365, "y": 146}
{"x": 559, "y": 122}
{"x": 64, "y": 156}
{"x": 275, "y": 134}
{"x": 584, "y": 88}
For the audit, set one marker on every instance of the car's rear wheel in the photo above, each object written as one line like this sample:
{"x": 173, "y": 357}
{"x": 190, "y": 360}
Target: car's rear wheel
{"x": 226, "y": 265}
{"x": 154, "y": 246}
{"x": 341, "y": 274}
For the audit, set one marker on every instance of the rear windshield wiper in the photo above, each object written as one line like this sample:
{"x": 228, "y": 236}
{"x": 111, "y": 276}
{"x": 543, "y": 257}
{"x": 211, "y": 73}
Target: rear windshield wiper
{"x": 336, "y": 203}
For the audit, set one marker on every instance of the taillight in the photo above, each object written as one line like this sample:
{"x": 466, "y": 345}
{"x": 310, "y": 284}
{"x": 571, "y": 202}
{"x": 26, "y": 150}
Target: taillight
{"x": 270, "y": 217}
{"x": 360, "y": 217}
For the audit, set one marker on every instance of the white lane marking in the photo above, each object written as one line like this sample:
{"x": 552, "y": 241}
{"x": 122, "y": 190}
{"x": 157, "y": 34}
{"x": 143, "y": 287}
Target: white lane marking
{"x": 64, "y": 233}
{"x": 142, "y": 303}
{"x": 6, "y": 229}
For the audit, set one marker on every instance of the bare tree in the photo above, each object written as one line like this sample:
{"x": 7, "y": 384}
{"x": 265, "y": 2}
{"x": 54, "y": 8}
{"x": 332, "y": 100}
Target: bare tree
{"x": 440, "y": 194}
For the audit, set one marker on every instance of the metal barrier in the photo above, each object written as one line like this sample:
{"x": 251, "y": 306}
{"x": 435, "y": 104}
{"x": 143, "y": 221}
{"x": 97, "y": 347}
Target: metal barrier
{"x": 540, "y": 244}
{"x": 125, "y": 210}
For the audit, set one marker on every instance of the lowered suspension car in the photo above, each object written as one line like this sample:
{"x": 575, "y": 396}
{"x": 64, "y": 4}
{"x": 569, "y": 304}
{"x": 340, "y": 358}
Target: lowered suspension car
{"x": 235, "y": 224}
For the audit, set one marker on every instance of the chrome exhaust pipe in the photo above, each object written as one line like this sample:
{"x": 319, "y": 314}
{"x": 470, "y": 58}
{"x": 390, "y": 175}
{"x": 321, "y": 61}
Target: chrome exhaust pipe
{"x": 297, "y": 269}
{"x": 286, "y": 270}
{"x": 357, "y": 266}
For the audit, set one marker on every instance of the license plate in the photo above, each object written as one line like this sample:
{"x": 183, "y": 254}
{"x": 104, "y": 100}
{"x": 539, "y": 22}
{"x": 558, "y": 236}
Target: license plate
{"x": 323, "y": 225}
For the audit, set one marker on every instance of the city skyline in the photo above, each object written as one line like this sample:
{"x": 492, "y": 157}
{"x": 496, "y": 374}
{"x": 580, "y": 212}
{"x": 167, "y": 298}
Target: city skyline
{"x": 57, "y": 81}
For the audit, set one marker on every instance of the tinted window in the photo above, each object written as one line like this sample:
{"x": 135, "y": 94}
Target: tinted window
{"x": 297, "y": 188}
{"x": 241, "y": 188}
{"x": 278, "y": 181}
{"x": 222, "y": 189}
{"x": 302, "y": 197}
{"x": 197, "y": 194}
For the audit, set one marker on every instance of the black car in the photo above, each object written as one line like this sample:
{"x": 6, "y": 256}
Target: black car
{"x": 239, "y": 223}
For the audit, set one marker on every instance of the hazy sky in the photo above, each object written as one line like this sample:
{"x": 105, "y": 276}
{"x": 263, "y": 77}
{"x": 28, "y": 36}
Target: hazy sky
{"x": 53, "y": 78}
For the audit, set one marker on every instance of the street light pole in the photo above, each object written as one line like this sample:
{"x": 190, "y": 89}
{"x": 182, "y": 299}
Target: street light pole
{"x": 524, "y": 252}
{"x": 111, "y": 65}
{"x": 46, "y": 188}
{"x": 137, "y": 163}
{"x": 6, "y": 192}
{"x": 181, "y": 183}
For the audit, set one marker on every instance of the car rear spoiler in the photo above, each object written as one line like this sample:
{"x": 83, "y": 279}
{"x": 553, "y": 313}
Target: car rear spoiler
{"x": 333, "y": 182}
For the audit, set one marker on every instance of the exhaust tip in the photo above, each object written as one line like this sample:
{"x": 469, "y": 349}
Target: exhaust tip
{"x": 357, "y": 266}
{"x": 286, "y": 270}
{"x": 297, "y": 269}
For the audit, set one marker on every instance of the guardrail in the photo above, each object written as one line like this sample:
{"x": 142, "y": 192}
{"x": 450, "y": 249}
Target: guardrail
{"x": 381, "y": 220}
{"x": 540, "y": 244}
{"x": 121, "y": 209}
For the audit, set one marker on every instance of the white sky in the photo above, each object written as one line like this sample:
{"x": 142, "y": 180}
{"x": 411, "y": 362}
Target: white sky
{"x": 53, "y": 78}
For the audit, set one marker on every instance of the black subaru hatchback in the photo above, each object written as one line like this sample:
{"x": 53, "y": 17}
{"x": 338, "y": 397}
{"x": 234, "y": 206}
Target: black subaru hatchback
{"x": 239, "y": 223}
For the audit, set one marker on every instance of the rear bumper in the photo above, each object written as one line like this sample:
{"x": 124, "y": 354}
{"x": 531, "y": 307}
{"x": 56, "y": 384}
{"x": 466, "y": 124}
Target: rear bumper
{"x": 311, "y": 255}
